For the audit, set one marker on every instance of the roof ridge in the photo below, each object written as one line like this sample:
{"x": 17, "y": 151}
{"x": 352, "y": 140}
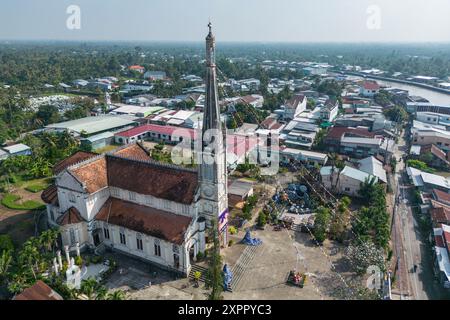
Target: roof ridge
{"x": 86, "y": 161}
{"x": 153, "y": 162}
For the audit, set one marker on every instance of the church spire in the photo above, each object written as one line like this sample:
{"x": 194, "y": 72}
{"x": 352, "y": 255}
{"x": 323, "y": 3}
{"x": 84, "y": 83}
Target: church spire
{"x": 211, "y": 117}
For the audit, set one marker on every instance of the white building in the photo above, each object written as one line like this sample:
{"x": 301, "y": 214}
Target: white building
{"x": 348, "y": 181}
{"x": 294, "y": 106}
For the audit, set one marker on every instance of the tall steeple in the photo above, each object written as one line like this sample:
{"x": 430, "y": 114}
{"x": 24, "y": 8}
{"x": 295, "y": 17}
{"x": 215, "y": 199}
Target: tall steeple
{"x": 211, "y": 119}
{"x": 213, "y": 169}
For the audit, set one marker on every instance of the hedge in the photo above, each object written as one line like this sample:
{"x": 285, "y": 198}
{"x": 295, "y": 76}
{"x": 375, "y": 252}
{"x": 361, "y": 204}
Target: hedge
{"x": 10, "y": 201}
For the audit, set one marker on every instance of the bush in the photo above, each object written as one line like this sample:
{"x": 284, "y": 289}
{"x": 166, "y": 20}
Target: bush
{"x": 232, "y": 230}
{"x": 6, "y": 243}
{"x": 96, "y": 259}
{"x": 79, "y": 261}
{"x": 10, "y": 201}
{"x": 35, "y": 188}
{"x": 262, "y": 220}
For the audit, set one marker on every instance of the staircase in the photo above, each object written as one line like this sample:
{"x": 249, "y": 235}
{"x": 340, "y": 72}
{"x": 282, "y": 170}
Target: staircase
{"x": 195, "y": 268}
{"x": 296, "y": 227}
{"x": 239, "y": 270}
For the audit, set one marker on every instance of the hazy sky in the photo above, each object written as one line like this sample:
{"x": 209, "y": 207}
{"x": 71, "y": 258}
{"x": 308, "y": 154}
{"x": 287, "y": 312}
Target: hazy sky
{"x": 234, "y": 20}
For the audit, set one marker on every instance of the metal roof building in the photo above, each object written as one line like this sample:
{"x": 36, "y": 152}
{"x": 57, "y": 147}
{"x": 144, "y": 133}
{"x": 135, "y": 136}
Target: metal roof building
{"x": 93, "y": 125}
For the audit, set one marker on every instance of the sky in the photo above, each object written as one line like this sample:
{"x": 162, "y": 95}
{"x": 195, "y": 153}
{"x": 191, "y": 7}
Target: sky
{"x": 233, "y": 20}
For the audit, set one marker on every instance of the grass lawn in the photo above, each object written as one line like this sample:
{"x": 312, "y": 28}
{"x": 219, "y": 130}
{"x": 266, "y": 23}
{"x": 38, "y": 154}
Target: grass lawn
{"x": 12, "y": 201}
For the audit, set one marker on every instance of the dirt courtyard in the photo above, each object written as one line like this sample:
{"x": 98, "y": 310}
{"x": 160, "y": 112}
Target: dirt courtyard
{"x": 263, "y": 274}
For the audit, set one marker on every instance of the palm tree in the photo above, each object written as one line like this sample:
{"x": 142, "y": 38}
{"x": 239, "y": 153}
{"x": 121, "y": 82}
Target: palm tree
{"x": 116, "y": 295}
{"x": 5, "y": 263}
{"x": 102, "y": 293}
{"x": 48, "y": 238}
{"x": 30, "y": 255}
{"x": 89, "y": 287}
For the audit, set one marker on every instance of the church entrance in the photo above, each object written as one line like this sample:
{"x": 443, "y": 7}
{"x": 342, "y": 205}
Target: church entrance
{"x": 96, "y": 237}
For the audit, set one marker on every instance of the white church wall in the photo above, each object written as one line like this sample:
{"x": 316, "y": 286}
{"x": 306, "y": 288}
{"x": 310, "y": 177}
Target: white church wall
{"x": 166, "y": 258}
{"x": 95, "y": 202}
{"x": 68, "y": 198}
{"x": 71, "y": 234}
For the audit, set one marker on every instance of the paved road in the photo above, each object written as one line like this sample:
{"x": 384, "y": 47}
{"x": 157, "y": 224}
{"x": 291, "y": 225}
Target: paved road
{"x": 411, "y": 247}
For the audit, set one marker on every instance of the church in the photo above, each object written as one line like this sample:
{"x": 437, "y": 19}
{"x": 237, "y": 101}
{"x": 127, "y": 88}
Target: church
{"x": 125, "y": 201}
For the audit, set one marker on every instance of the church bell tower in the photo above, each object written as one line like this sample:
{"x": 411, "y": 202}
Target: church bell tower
{"x": 213, "y": 167}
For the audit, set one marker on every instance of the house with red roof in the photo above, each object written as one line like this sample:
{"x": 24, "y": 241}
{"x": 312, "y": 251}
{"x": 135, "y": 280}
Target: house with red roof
{"x": 137, "y": 68}
{"x": 369, "y": 89}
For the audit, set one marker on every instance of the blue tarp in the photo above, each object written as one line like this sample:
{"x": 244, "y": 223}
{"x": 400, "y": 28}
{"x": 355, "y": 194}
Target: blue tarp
{"x": 227, "y": 277}
{"x": 251, "y": 241}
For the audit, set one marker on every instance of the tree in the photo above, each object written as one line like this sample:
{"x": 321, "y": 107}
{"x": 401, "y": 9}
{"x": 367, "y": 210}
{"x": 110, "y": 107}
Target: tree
{"x": 262, "y": 219}
{"x": 321, "y": 224}
{"x": 340, "y": 222}
{"x": 116, "y": 295}
{"x": 89, "y": 287}
{"x": 5, "y": 264}
{"x": 214, "y": 275}
{"x": 46, "y": 114}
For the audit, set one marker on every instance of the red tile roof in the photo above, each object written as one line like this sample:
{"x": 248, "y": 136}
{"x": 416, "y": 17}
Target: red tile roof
{"x": 92, "y": 174}
{"x": 73, "y": 159}
{"x": 295, "y": 100}
{"x": 157, "y": 223}
{"x": 441, "y": 196}
{"x": 440, "y": 215}
{"x": 136, "y": 67}
{"x": 50, "y": 195}
{"x": 38, "y": 291}
{"x": 438, "y": 153}
{"x": 151, "y": 178}
{"x": 336, "y": 133}
{"x": 71, "y": 216}
{"x": 134, "y": 151}
{"x": 371, "y": 85}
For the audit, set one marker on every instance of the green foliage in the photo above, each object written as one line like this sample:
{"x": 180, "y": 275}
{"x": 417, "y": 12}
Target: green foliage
{"x": 262, "y": 219}
{"x": 214, "y": 276}
{"x": 232, "y": 230}
{"x": 78, "y": 261}
{"x": 11, "y": 201}
{"x": 230, "y": 243}
{"x": 419, "y": 165}
{"x": 321, "y": 223}
{"x": 35, "y": 188}
{"x": 396, "y": 113}
{"x": 372, "y": 222}
{"x": 6, "y": 243}
{"x": 246, "y": 113}
{"x": 331, "y": 88}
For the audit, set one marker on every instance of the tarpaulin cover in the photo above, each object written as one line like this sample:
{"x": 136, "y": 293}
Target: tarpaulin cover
{"x": 251, "y": 241}
{"x": 227, "y": 277}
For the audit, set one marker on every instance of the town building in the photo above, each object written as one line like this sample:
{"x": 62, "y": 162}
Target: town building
{"x": 90, "y": 126}
{"x": 294, "y": 106}
{"x": 38, "y": 291}
{"x": 369, "y": 89}
{"x": 348, "y": 181}
{"x": 155, "y": 75}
